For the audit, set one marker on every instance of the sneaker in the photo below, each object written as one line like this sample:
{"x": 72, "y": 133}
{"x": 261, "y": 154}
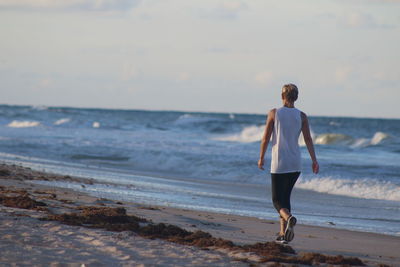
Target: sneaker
{"x": 281, "y": 240}
{"x": 289, "y": 231}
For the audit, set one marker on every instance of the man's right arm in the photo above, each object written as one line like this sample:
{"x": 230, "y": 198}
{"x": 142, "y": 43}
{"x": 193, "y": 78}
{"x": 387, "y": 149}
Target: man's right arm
{"x": 309, "y": 143}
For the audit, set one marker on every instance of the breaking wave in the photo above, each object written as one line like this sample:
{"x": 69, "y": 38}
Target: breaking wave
{"x": 96, "y": 124}
{"x": 359, "y": 188}
{"x": 193, "y": 119}
{"x": 254, "y": 133}
{"x": 342, "y": 139}
{"x": 23, "y": 124}
{"x": 61, "y": 121}
{"x": 247, "y": 135}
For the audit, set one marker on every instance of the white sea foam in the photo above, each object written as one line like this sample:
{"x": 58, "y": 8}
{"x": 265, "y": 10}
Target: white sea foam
{"x": 342, "y": 139}
{"x": 379, "y": 137}
{"x": 333, "y": 138}
{"x": 191, "y": 119}
{"x": 252, "y": 134}
{"x": 360, "y": 188}
{"x": 96, "y": 124}
{"x": 23, "y": 124}
{"x": 39, "y": 107}
{"x": 247, "y": 135}
{"x": 61, "y": 121}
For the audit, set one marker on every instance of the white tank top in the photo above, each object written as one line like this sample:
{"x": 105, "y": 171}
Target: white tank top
{"x": 286, "y": 155}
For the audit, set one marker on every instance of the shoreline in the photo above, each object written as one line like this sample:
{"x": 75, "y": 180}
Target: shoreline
{"x": 327, "y": 222}
{"x": 373, "y": 249}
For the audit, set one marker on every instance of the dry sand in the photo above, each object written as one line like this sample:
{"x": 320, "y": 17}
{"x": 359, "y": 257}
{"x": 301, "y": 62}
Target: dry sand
{"x": 27, "y": 240}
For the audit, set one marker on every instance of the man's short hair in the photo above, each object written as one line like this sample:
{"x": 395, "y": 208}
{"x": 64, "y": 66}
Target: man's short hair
{"x": 290, "y": 92}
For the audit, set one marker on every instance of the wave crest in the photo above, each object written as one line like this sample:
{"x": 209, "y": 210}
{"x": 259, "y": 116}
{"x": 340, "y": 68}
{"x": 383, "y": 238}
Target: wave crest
{"x": 359, "y": 188}
{"x": 247, "y": 135}
{"x": 192, "y": 119}
{"x": 333, "y": 138}
{"x": 379, "y": 137}
{"x": 61, "y": 121}
{"x": 23, "y": 124}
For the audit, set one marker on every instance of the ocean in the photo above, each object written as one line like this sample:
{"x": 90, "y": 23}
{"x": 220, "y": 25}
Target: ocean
{"x": 208, "y": 161}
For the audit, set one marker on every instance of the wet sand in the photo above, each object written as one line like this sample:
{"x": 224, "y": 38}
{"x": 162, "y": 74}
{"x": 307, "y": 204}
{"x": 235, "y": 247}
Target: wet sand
{"x": 42, "y": 225}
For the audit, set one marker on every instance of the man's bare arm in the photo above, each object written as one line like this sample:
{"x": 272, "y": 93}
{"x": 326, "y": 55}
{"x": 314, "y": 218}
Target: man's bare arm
{"x": 309, "y": 143}
{"x": 269, "y": 126}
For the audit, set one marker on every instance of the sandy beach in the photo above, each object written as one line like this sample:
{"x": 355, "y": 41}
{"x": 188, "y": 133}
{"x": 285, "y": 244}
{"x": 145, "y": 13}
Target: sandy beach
{"x": 48, "y": 226}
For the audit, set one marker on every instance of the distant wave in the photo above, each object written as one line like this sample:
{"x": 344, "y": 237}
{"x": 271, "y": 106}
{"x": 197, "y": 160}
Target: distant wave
{"x": 334, "y": 123}
{"x": 39, "y": 107}
{"x": 333, "y": 138}
{"x": 254, "y": 133}
{"x": 247, "y": 135}
{"x": 23, "y": 124}
{"x": 360, "y": 188}
{"x": 61, "y": 121}
{"x": 96, "y": 124}
{"x": 193, "y": 119}
{"x": 251, "y": 134}
{"x": 95, "y": 157}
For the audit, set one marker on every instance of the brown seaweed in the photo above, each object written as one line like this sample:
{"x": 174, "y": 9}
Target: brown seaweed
{"x": 116, "y": 219}
{"x": 22, "y": 202}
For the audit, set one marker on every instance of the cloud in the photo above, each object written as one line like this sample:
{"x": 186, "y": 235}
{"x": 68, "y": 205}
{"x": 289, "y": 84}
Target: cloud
{"x": 361, "y": 20}
{"x": 45, "y": 83}
{"x": 342, "y": 74}
{"x": 182, "y": 76}
{"x": 228, "y": 10}
{"x": 264, "y": 78}
{"x": 82, "y": 5}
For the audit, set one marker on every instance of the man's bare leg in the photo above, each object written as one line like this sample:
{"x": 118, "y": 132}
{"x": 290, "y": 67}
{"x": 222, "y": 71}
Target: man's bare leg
{"x": 283, "y": 226}
{"x": 285, "y": 214}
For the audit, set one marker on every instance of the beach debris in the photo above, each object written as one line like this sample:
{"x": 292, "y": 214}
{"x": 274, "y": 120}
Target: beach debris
{"x": 112, "y": 219}
{"x": 4, "y": 172}
{"x": 116, "y": 219}
{"x": 314, "y": 258}
{"x": 22, "y": 201}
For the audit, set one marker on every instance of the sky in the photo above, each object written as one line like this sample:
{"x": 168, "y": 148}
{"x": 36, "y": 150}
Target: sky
{"x": 202, "y": 55}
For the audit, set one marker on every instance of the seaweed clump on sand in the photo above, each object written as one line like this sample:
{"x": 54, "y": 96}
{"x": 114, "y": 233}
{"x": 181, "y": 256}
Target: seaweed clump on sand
{"x": 116, "y": 219}
{"x": 112, "y": 219}
{"x": 315, "y": 258}
{"x": 19, "y": 199}
{"x": 22, "y": 202}
{"x": 178, "y": 235}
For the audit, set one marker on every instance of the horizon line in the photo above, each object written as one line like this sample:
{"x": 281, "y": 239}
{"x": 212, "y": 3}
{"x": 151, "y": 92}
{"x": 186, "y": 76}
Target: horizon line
{"x": 190, "y": 111}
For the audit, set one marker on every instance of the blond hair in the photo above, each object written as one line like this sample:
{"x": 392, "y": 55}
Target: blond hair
{"x": 290, "y": 92}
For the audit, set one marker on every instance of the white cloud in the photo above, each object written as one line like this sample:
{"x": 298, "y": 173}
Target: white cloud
{"x": 44, "y": 83}
{"x": 361, "y": 20}
{"x": 85, "y": 5}
{"x": 226, "y": 10}
{"x": 264, "y": 78}
{"x": 182, "y": 76}
{"x": 343, "y": 73}
{"x": 233, "y": 6}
